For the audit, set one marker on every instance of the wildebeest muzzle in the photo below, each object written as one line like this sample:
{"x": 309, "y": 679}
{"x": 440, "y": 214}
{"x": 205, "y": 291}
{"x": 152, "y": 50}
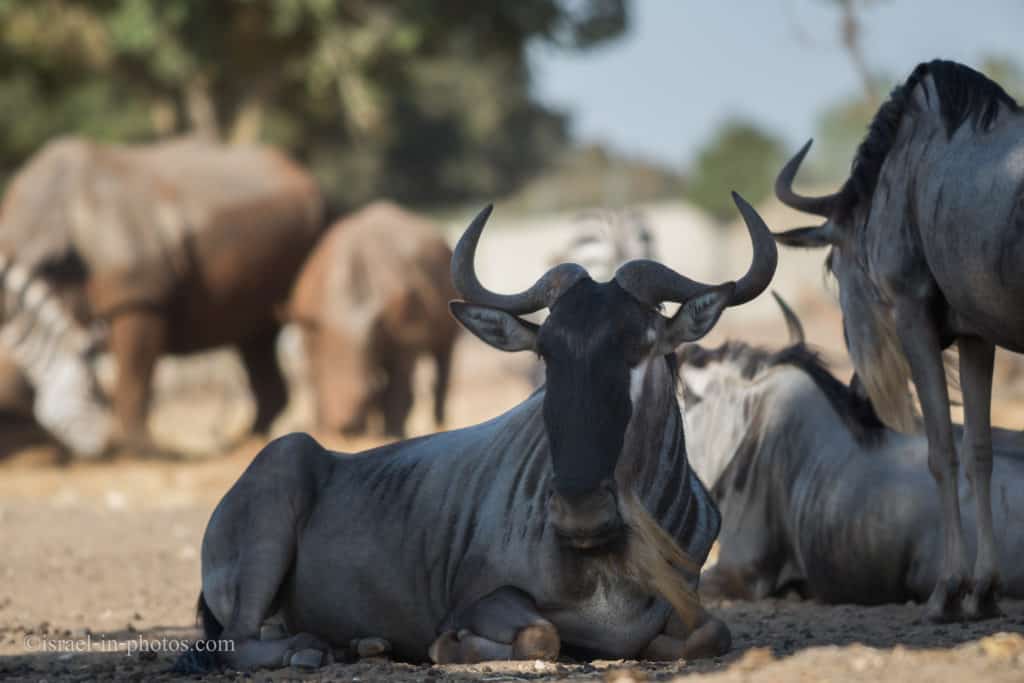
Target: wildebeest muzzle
{"x": 587, "y": 520}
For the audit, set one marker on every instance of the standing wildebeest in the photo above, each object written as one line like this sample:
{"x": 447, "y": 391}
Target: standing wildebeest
{"x": 372, "y": 297}
{"x": 816, "y": 494}
{"x": 926, "y": 245}
{"x": 506, "y": 539}
{"x": 179, "y": 246}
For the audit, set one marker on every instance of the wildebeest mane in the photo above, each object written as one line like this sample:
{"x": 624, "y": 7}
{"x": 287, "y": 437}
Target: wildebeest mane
{"x": 854, "y": 408}
{"x": 964, "y": 95}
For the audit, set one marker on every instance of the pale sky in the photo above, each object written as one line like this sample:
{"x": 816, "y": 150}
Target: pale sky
{"x": 687, "y": 65}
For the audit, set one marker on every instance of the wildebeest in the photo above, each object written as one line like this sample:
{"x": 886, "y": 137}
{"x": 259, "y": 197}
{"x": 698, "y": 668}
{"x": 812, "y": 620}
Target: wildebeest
{"x": 517, "y": 537}
{"x": 926, "y": 245}
{"x": 603, "y": 240}
{"x": 373, "y": 297}
{"x": 179, "y": 246}
{"x": 816, "y": 494}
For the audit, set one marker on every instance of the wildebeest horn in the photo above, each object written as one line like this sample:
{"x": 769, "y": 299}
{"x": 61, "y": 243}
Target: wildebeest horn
{"x": 542, "y": 294}
{"x": 653, "y": 283}
{"x": 820, "y": 206}
{"x": 793, "y": 324}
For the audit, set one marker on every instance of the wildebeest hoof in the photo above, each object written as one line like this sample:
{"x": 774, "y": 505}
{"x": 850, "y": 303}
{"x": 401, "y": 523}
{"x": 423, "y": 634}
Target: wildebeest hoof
{"x": 307, "y": 652}
{"x": 944, "y": 605}
{"x": 445, "y": 649}
{"x": 369, "y": 647}
{"x": 538, "y": 641}
{"x": 307, "y": 659}
{"x": 712, "y": 639}
{"x": 982, "y": 601}
{"x": 273, "y": 632}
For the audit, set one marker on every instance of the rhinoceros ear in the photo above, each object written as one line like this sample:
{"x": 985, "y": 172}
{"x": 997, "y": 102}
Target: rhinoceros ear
{"x": 501, "y": 330}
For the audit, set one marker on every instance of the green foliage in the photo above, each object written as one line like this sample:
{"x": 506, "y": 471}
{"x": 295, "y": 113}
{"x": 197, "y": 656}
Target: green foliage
{"x": 422, "y": 100}
{"x": 843, "y": 125}
{"x": 740, "y": 156}
{"x": 1006, "y": 72}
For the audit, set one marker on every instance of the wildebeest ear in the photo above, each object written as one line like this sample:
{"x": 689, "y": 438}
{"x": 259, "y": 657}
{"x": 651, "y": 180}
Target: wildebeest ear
{"x": 501, "y": 330}
{"x": 807, "y": 238}
{"x": 696, "y": 316}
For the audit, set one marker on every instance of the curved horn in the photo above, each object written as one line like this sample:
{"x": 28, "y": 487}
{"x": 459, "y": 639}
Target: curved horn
{"x": 653, "y": 283}
{"x": 765, "y": 259}
{"x": 821, "y": 206}
{"x": 793, "y": 324}
{"x": 542, "y": 294}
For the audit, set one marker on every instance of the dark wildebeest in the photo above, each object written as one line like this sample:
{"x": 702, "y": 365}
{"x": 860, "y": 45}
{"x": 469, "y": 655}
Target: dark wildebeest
{"x": 816, "y": 494}
{"x": 373, "y": 297}
{"x": 179, "y": 246}
{"x": 926, "y": 246}
{"x": 511, "y": 538}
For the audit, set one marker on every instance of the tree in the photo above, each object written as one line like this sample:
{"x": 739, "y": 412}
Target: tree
{"x": 741, "y": 157}
{"x": 1006, "y": 72}
{"x": 423, "y": 100}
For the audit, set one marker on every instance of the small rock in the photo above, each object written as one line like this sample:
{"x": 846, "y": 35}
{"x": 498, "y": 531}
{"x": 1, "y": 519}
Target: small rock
{"x": 625, "y": 676}
{"x": 1003, "y": 645}
{"x": 754, "y": 658}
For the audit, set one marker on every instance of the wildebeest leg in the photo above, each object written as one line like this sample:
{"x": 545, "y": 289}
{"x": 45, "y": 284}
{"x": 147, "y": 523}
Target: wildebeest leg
{"x": 249, "y": 549}
{"x": 976, "y": 360}
{"x": 710, "y": 639}
{"x": 396, "y": 397}
{"x": 924, "y": 355}
{"x": 259, "y": 353}
{"x": 137, "y": 339}
{"x": 443, "y": 366}
{"x": 503, "y": 625}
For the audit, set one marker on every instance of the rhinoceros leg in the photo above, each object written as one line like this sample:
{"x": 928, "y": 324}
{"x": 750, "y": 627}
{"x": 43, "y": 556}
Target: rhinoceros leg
{"x": 710, "y": 639}
{"x": 396, "y": 397}
{"x": 137, "y": 339}
{"x": 259, "y": 354}
{"x": 443, "y": 370}
{"x": 503, "y": 625}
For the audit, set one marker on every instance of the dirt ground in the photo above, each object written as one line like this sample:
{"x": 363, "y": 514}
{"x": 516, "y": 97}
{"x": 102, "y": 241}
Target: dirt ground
{"x": 100, "y": 562}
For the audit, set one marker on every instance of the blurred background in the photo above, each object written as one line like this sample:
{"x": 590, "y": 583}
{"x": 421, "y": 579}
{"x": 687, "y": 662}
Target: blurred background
{"x": 552, "y": 109}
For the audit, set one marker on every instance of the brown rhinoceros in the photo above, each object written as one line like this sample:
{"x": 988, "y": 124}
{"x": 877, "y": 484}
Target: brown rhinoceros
{"x": 179, "y": 246}
{"x": 371, "y": 299}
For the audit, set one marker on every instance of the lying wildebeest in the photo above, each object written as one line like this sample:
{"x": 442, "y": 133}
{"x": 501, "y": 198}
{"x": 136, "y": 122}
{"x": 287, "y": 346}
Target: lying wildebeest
{"x": 816, "y": 494}
{"x": 925, "y": 244}
{"x": 373, "y": 297}
{"x": 179, "y": 246}
{"x": 512, "y": 538}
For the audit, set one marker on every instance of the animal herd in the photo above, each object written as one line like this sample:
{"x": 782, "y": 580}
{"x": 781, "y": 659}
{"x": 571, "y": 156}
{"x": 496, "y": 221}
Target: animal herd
{"x": 577, "y": 522}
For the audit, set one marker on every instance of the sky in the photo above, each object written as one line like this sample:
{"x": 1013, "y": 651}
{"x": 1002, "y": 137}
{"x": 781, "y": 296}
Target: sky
{"x": 685, "y": 66}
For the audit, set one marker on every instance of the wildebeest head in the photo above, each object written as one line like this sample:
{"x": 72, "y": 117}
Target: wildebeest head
{"x": 598, "y": 344}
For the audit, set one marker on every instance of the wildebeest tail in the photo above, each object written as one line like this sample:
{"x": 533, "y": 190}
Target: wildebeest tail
{"x": 201, "y": 660}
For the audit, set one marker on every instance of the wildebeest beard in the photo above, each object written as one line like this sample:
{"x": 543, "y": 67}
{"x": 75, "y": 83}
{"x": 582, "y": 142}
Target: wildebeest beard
{"x": 587, "y": 407}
